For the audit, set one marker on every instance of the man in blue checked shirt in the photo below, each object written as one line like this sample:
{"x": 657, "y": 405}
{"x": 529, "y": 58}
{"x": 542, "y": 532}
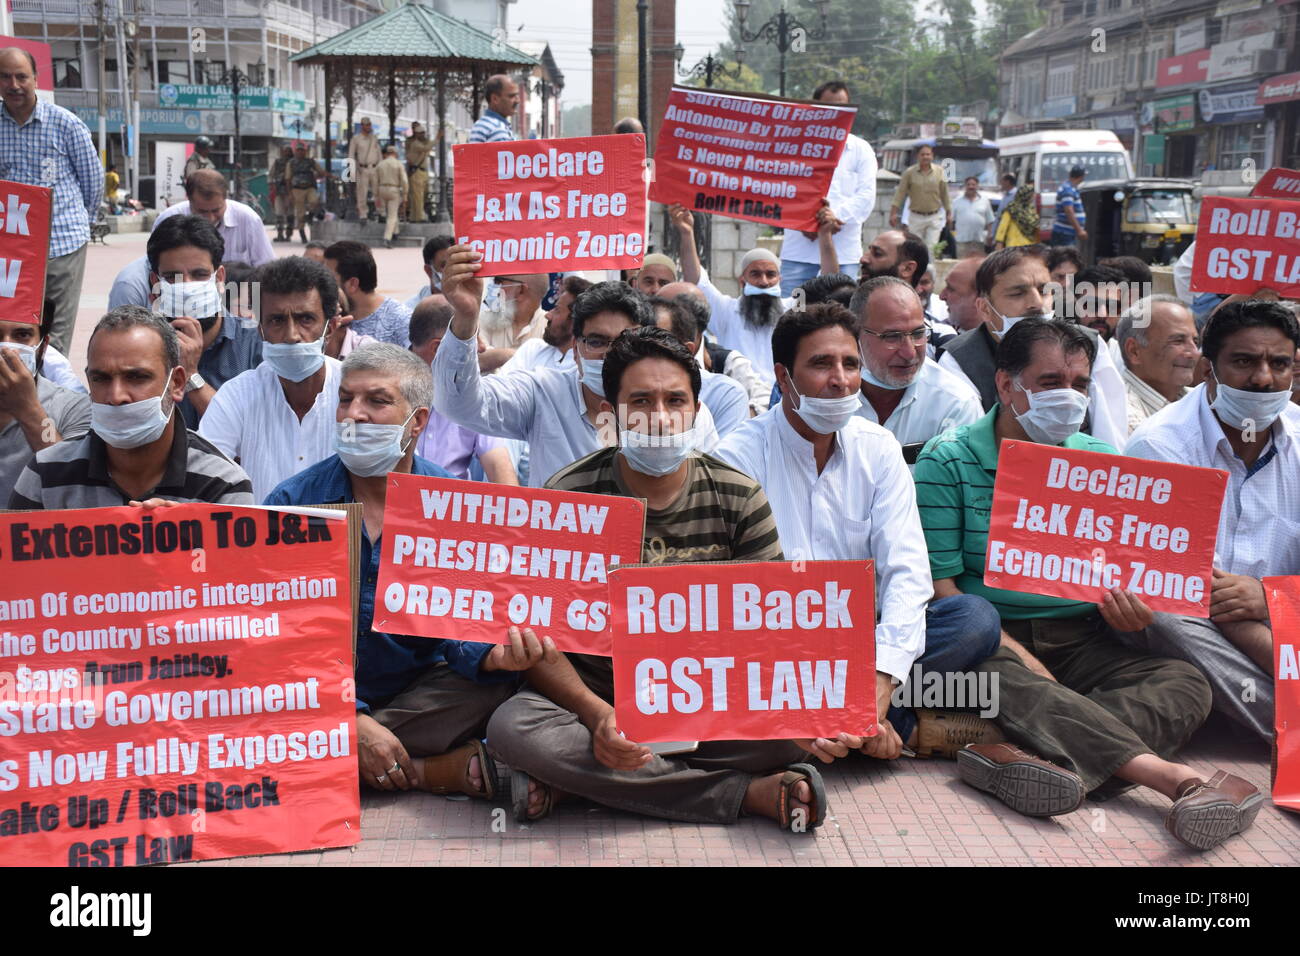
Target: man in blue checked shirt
{"x": 493, "y": 126}
{"x": 45, "y": 145}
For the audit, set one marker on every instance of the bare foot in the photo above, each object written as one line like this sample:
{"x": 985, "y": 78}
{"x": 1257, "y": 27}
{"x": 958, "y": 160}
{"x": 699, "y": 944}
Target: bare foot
{"x": 474, "y": 774}
{"x": 761, "y": 798}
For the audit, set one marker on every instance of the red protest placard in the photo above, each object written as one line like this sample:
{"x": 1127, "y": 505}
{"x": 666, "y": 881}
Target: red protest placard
{"x": 1075, "y": 524}
{"x": 174, "y": 685}
{"x": 746, "y": 651}
{"x": 1243, "y": 245}
{"x": 1277, "y": 183}
{"x": 24, "y": 250}
{"x": 748, "y": 156}
{"x": 1283, "y": 595}
{"x": 464, "y": 561}
{"x": 552, "y": 205}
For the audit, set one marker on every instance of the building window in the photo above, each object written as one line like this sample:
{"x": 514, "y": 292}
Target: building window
{"x": 67, "y": 74}
{"x": 1241, "y": 142}
{"x": 174, "y": 71}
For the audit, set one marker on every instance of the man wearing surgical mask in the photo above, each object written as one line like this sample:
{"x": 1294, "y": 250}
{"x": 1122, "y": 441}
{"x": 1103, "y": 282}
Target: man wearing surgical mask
{"x": 840, "y": 491}
{"x": 1239, "y": 420}
{"x": 1093, "y": 716}
{"x": 34, "y": 412}
{"x": 562, "y": 727}
{"x": 1011, "y": 285}
{"x": 422, "y": 704}
{"x": 556, "y": 411}
{"x": 138, "y": 451}
{"x": 188, "y": 287}
{"x": 278, "y": 418}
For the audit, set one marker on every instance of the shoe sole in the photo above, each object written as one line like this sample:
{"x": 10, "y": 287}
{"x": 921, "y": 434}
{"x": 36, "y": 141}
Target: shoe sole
{"x": 1205, "y": 827}
{"x": 1027, "y": 788}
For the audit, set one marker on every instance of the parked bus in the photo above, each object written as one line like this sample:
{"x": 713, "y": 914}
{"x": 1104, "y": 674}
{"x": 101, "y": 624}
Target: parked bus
{"x": 1049, "y": 155}
{"x": 959, "y": 148}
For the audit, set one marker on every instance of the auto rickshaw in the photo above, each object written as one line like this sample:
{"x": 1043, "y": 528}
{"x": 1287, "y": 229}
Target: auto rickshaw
{"x": 1151, "y": 218}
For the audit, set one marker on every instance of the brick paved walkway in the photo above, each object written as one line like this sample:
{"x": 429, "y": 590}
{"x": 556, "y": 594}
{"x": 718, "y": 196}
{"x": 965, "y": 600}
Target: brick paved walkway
{"x": 904, "y": 812}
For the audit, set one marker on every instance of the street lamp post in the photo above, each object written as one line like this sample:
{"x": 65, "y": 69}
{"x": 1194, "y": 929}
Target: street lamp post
{"x": 781, "y": 29}
{"x": 707, "y": 67}
{"x": 236, "y": 80}
{"x": 642, "y": 66}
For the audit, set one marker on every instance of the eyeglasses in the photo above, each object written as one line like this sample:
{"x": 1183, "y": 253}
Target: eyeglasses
{"x": 894, "y": 340}
{"x": 596, "y": 343}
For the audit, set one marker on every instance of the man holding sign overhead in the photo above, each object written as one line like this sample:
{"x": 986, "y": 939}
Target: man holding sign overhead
{"x": 1102, "y": 717}
{"x": 561, "y": 730}
{"x": 1239, "y": 420}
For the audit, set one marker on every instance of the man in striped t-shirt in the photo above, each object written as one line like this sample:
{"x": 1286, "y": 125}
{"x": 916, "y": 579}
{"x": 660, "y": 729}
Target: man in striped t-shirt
{"x": 561, "y": 729}
{"x": 138, "y": 448}
{"x": 1104, "y": 717}
{"x": 493, "y": 126}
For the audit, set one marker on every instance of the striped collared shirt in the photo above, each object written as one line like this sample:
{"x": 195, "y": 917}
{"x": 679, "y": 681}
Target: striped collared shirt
{"x": 74, "y": 474}
{"x": 54, "y": 149}
{"x": 491, "y": 127}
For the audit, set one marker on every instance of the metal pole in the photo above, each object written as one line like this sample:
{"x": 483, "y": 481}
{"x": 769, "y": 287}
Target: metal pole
{"x": 781, "y": 43}
{"x": 329, "y": 142}
{"x": 442, "y": 215}
{"x": 708, "y": 71}
{"x": 392, "y": 106}
{"x": 642, "y": 67}
{"x": 239, "y": 144}
{"x": 103, "y": 70}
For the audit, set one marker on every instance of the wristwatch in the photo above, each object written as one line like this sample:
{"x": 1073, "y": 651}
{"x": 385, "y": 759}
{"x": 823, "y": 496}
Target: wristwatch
{"x": 195, "y": 383}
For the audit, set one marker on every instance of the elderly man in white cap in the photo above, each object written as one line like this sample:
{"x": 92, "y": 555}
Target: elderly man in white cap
{"x": 657, "y": 271}
{"x": 743, "y": 322}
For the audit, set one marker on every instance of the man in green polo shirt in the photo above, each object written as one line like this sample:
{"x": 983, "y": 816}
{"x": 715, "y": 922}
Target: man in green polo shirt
{"x": 1102, "y": 717}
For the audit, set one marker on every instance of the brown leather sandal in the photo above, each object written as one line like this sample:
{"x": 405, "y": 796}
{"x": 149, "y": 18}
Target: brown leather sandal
{"x": 519, "y": 797}
{"x": 449, "y": 773}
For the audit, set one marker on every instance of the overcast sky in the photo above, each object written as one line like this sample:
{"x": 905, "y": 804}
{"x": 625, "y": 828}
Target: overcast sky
{"x": 566, "y": 26}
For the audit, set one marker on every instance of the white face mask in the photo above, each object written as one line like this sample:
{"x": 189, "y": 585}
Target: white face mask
{"x": 592, "y": 369}
{"x": 826, "y": 415}
{"x": 295, "y": 361}
{"x": 1054, "y": 414}
{"x": 130, "y": 425}
{"x": 1010, "y": 320}
{"x": 1238, "y": 408}
{"x": 656, "y": 455}
{"x": 772, "y": 290}
{"x": 25, "y": 352}
{"x": 198, "y": 300}
{"x": 369, "y": 450}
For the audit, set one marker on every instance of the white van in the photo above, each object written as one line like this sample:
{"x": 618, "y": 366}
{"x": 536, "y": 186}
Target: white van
{"x": 1049, "y": 155}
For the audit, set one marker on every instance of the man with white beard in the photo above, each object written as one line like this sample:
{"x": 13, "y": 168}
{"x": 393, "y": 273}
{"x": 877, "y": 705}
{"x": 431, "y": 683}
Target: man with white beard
{"x": 743, "y": 322}
{"x": 517, "y": 318}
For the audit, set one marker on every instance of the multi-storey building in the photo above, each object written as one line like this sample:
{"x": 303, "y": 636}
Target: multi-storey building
{"x": 1179, "y": 81}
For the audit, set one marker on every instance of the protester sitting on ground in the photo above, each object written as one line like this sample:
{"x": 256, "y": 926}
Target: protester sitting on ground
{"x": 190, "y": 289}
{"x": 959, "y": 295}
{"x": 839, "y": 491}
{"x": 1136, "y": 271}
{"x": 518, "y": 318}
{"x": 443, "y": 442}
{"x": 657, "y": 270}
{"x": 1239, "y": 420}
{"x": 743, "y": 322}
{"x": 278, "y": 418}
{"x": 837, "y": 287}
{"x": 903, "y": 390}
{"x": 715, "y": 358}
{"x": 1011, "y": 285}
{"x": 561, "y": 731}
{"x": 435, "y": 255}
{"x": 1101, "y": 293}
{"x": 340, "y": 340}
{"x": 725, "y": 397}
{"x": 1157, "y": 339}
{"x": 422, "y": 704}
{"x": 137, "y": 450}
{"x": 376, "y": 315}
{"x": 555, "y": 348}
{"x": 315, "y": 251}
{"x": 1063, "y": 263}
{"x": 1094, "y": 716}
{"x": 35, "y": 413}
{"x": 902, "y": 255}
{"x": 557, "y": 412}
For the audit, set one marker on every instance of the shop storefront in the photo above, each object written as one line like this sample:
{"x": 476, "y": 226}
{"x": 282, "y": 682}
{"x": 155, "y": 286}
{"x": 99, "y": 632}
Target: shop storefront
{"x": 1241, "y": 133}
{"x": 1280, "y": 98}
{"x": 1171, "y": 146}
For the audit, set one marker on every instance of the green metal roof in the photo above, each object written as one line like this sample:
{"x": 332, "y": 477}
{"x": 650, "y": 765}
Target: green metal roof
{"x": 419, "y": 34}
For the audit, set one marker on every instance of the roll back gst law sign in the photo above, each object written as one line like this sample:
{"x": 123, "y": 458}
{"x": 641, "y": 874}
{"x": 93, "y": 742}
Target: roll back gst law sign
{"x": 174, "y": 685}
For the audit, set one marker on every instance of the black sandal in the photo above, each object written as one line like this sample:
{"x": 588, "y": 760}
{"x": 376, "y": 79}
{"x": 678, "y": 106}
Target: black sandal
{"x": 817, "y": 812}
{"x": 519, "y": 797}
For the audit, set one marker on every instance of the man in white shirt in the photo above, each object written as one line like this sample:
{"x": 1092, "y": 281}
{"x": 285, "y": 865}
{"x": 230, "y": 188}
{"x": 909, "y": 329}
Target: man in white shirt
{"x": 657, "y": 271}
{"x": 1239, "y": 420}
{"x": 278, "y": 418}
{"x": 555, "y": 348}
{"x": 902, "y": 389}
{"x": 557, "y": 412}
{"x": 959, "y": 296}
{"x": 716, "y": 358}
{"x": 849, "y": 201}
{"x": 839, "y": 490}
{"x": 725, "y": 397}
{"x": 743, "y": 322}
{"x": 1160, "y": 347}
{"x": 972, "y": 220}
{"x": 518, "y": 318}
{"x": 1012, "y": 284}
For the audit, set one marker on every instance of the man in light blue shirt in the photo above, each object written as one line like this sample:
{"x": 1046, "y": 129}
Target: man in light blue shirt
{"x": 493, "y": 126}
